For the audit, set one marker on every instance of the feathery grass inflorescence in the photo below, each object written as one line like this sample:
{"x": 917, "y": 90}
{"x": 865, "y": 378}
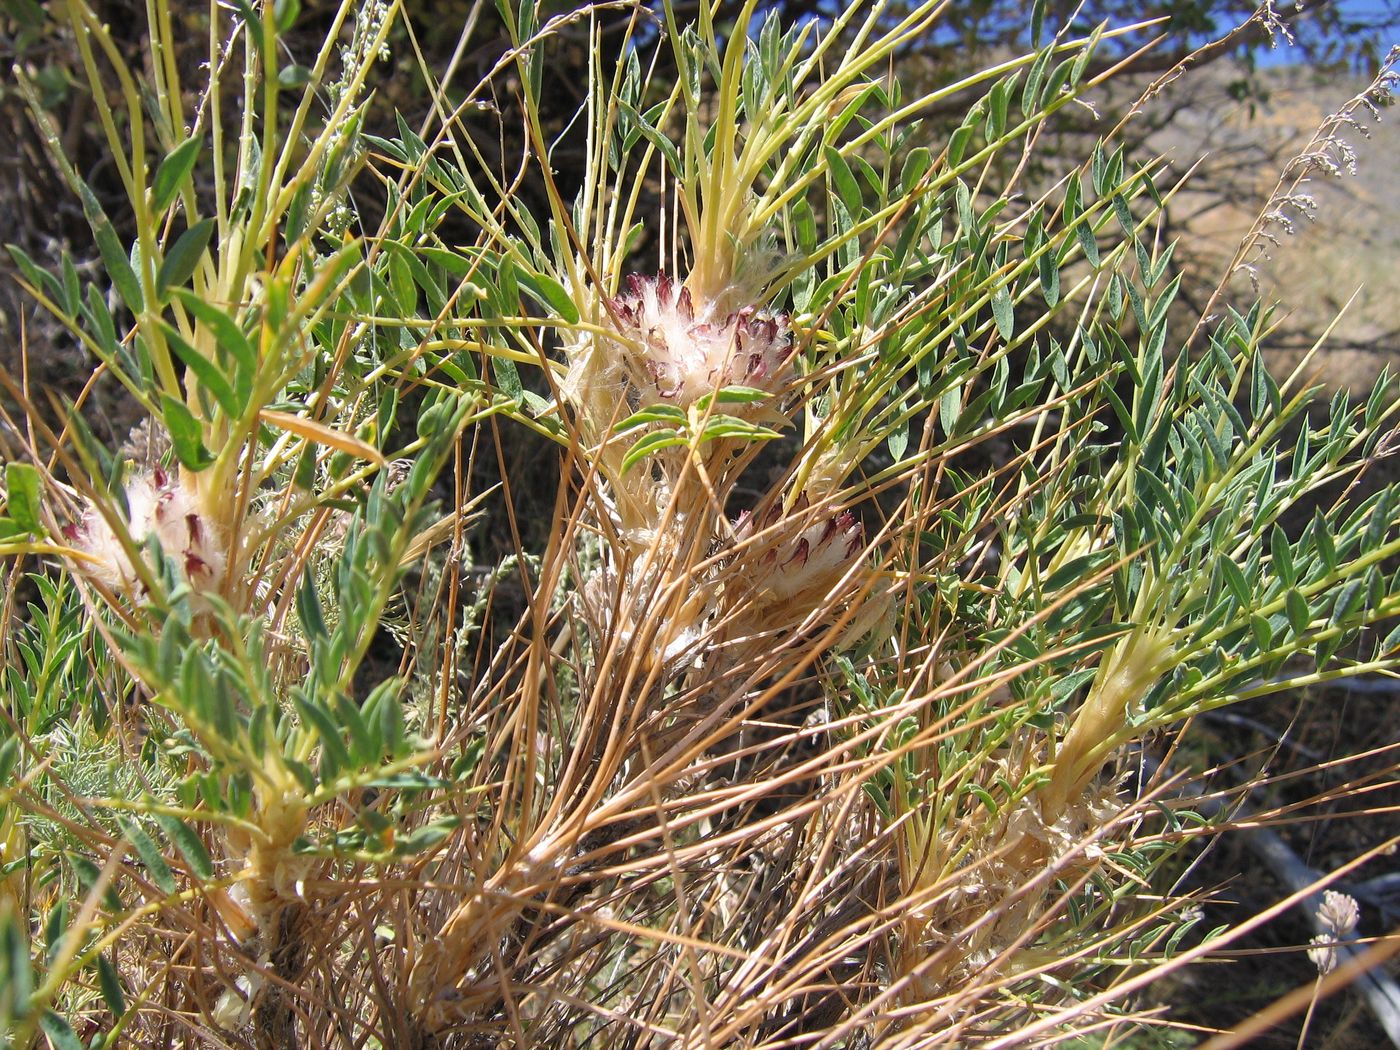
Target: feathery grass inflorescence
{"x": 891, "y": 537}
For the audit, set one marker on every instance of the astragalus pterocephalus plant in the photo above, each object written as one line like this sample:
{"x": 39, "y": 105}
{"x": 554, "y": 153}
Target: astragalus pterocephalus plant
{"x": 812, "y": 723}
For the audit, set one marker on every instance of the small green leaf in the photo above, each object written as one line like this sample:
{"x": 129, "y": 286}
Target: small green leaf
{"x": 333, "y": 750}
{"x": 426, "y": 837}
{"x": 54, "y": 927}
{"x": 150, "y": 855}
{"x": 1219, "y": 452}
{"x": 9, "y": 755}
{"x": 950, "y": 408}
{"x": 89, "y": 874}
{"x": 1234, "y": 579}
{"x": 717, "y": 427}
{"x": 1348, "y": 601}
{"x": 401, "y": 280}
{"x": 103, "y": 328}
{"x": 958, "y": 140}
{"x": 433, "y": 418}
{"x": 550, "y": 292}
{"x": 313, "y": 623}
{"x": 209, "y": 375}
{"x": 1065, "y": 685}
{"x": 304, "y": 476}
{"x": 284, "y": 14}
{"x": 110, "y": 984}
{"x": 43, "y": 281}
{"x": 1125, "y": 219}
{"x": 962, "y": 196}
{"x": 384, "y": 702}
{"x": 186, "y": 434}
{"x": 1380, "y": 520}
{"x": 983, "y": 795}
{"x": 293, "y": 76}
{"x": 1004, "y": 313}
{"x": 1263, "y": 632}
{"x": 230, "y": 339}
{"x": 998, "y": 105}
{"x": 1160, "y": 494}
{"x": 1283, "y": 556}
{"x": 508, "y": 377}
{"x": 1048, "y": 272}
{"x": 365, "y": 746}
{"x": 916, "y": 165}
{"x": 188, "y": 843}
{"x": 22, "y": 488}
{"x": 1297, "y": 608}
{"x": 1115, "y": 296}
{"x": 651, "y": 414}
{"x": 731, "y": 395}
{"x": 1326, "y": 546}
{"x": 650, "y": 443}
{"x": 1391, "y": 645}
{"x": 410, "y": 781}
{"x": 184, "y": 256}
{"x": 72, "y": 295}
{"x": 114, "y": 257}
{"x": 846, "y": 186}
{"x": 173, "y": 171}
{"x": 1035, "y": 80}
{"x": 1088, "y": 243}
{"x": 898, "y": 441}
{"x": 60, "y": 1033}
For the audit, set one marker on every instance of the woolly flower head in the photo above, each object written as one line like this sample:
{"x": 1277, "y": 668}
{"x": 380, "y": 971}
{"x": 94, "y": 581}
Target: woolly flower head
{"x": 159, "y": 505}
{"x": 671, "y": 348}
{"x": 795, "y": 560}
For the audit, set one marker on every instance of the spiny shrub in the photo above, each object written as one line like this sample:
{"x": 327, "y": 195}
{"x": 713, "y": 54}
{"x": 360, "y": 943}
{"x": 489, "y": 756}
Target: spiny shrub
{"x": 814, "y": 723}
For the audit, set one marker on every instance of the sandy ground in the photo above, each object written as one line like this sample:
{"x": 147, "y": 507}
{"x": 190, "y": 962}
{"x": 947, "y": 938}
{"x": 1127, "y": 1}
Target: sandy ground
{"x": 1341, "y": 260}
